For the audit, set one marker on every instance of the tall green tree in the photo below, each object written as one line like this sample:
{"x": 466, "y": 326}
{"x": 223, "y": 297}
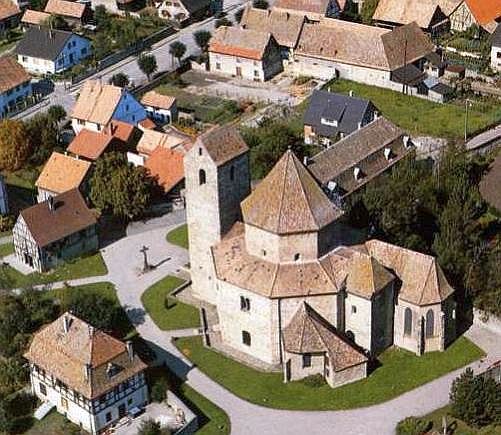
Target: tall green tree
{"x": 202, "y": 38}
{"x": 177, "y": 50}
{"x": 14, "y": 144}
{"x": 147, "y": 64}
{"x": 119, "y": 79}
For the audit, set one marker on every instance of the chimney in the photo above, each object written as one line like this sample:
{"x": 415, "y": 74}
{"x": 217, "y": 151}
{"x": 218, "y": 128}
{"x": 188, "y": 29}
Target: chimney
{"x": 91, "y": 331}
{"x": 351, "y": 93}
{"x": 66, "y": 323}
{"x": 130, "y": 349}
{"x": 87, "y": 372}
{"x": 406, "y": 140}
{"x": 306, "y": 160}
{"x": 387, "y": 153}
{"x": 359, "y": 125}
{"x": 50, "y": 203}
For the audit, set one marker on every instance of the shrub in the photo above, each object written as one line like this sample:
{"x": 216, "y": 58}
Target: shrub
{"x": 159, "y": 390}
{"x": 6, "y": 223}
{"x": 314, "y": 381}
{"x": 413, "y": 426}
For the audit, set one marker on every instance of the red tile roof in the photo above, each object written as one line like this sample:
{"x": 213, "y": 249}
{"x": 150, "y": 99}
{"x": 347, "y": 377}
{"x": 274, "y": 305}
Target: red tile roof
{"x": 485, "y": 11}
{"x": 167, "y": 167}
{"x": 91, "y": 144}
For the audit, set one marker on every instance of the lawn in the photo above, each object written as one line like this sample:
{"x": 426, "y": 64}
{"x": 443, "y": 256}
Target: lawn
{"x": 91, "y": 265}
{"x": 53, "y": 424}
{"x": 400, "y": 371}
{"x": 423, "y": 117}
{"x": 456, "y": 426}
{"x": 166, "y": 311}
{"x": 6, "y": 249}
{"x": 179, "y": 236}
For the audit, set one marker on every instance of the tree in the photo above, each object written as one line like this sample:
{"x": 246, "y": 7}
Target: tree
{"x": 119, "y": 188}
{"x": 55, "y": 22}
{"x": 413, "y": 426}
{"x": 147, "y": 64}
{"x": 223, "y": 22}
{"x": 177, "y": 50}
{"x": 475, "y": 399}
{"x": 101, "y": 45}
{"x": 119, "y": 79}
{"x": 56, "y": 114}
{"x": 260, "y": 4}
{"x": 43, "y": 132}
{"x": 150, "y": 427}
{"x": 14, "y": 144}
{"x": 159, "y": 390}
{"x": 202, "y": 38}
{"x": 368, "y": 9}
{"x": 13, "y": 376}
{"x": 101, "y": 17}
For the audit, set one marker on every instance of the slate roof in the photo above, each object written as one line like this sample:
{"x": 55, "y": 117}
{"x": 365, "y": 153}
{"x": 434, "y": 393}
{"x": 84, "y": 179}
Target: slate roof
{"x": 62, "y": 173}
{"x": 223, "y": 144}
{"x": 284, "y": 27}
{"x": 8, "y": 9}
{"x": 66, "y": 8}
{"x": 289, "y": 200}
{"x": 347, "y": 111}
{"x": 309, "y": 332}
{"x": 154, "y": 99}
{"x": 42, "y": 43}
{"x": 496, "y": 37}
{"x": 235, "y": 41}
{"x": 407, "y": 11}
{"x": 490, "y": 186}
{"x": 97, "y": 102}
{"x": 34, "y": 17}
{"x": 364, "y": 149}
{"x": 69, "y": 216}
{"x": 409, "y": 74}
{"x": 306, "y": 6}
{"x": 12, "y": 74}
{"x": 65, "y": 356}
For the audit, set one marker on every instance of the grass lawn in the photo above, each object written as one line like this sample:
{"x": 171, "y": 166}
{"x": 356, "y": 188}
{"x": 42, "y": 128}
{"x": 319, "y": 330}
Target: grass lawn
{"x": 179, "y": 236}
{"x": 457, "y": 427}
{"x": 54, "y": 424}
{"x": 423, "y": 117}
{"x": 400, "y": 371}
{"x": 6, "y": 249}
{"x": 178, "y": 315}
{"x": 92, "y": 265}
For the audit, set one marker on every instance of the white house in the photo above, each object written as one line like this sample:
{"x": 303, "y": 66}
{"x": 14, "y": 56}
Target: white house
{"x": 45, "y": 51}
{"x": 183, "y": 10}
{"x": 98, "y": 104}
{"x": 161, "y": 108}
{"x": 496, "y": 50}
{"x": 15, "y": 86}
{"x": 89, "y": 376}
{"x": 244, "y": 53}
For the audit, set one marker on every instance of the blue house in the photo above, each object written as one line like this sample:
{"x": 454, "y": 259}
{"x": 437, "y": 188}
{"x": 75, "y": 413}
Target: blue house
{"x": 15, "y": 86}
{"x": 46, "y": 51}
{"x": 98, "y": 104}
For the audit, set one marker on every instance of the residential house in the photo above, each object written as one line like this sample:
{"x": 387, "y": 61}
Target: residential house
{"x": 243, "y": 53}
{"x": 496, "y": 49}
{"x": 98, "y": 104}
{"x": 9, "y": 16}
{"x": 184, "y": 11}
{"x": 360, "y": 157}
{"x": 15, "y": 86}
{"x": 330, "y": 117}
{"x": 73, "y": 12}
{"x": 34, "y": 18}
{"x": 60, "y": 174}
{"x": 51, "y": 232}
{"x": 162, "y": 108}
{"x": 46, "y": 51}
{"x": 426, "y": 13}
{"x": 482, "y": 13}
{"x": 285, "y": 283}
{"x": 284, "y": 26}
{"x": 490, "y": 184}
{"x": 166, "y": 166}
{"x": 314, "y": 10}
{"x": 92, "y": 378}
{"x": 364, "y": 54}
{"x": 91, "y": 145}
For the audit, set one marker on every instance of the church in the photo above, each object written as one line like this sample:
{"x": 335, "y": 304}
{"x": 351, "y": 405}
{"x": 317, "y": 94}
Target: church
{"x": 283, "y": 282}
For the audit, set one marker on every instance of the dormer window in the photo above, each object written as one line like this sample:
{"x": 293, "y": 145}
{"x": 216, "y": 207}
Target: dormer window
{"x": 297, "y": 256}
{"x": 331, "y": 186}
{"x": 388, "y": 154}
{"x": 331, "y": 122}
{"x": 112, "y": 370}
{"x": 406, "y": 141}
{"x": 357, "y": 173}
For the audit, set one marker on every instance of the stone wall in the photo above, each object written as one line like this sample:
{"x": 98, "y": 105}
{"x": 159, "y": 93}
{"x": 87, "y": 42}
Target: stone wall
{"x": 346, "y": 376}
{"x": 294, "y": 365}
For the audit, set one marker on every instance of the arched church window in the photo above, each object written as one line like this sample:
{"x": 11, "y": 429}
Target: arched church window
{"x": 430, "y": 323}
{"x": 408, "y": 321}
{"x": 202, "y": 177}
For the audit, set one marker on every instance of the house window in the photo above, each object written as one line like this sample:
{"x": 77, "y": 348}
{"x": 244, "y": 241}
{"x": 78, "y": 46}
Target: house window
{"x": 353, "y": 309}
{"x": 200, "y": 151}
{"x": 263, "y": 252}
{"x": 408, "y": 321}
{"x": 64, "y": 403}
{"x": 430, "y": 320}
{"x": 202, "y": 177}
{"x": 43, "y": 389}
{"x": 246, "y": 338}
{"x": 256, "y": 73}
{"x": 244, "y": 303}
{"x": 232, "y": 173}
{"x": 218, "y": 65}
{"x": 108, "y": 417}
{"x": 297, "y": 256}
{"x": 129, "y": 402}
{"x": 306, "y": 360}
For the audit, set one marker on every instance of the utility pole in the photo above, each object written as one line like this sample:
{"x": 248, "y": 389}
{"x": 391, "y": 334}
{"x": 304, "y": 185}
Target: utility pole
{"x": 467, "y": 103}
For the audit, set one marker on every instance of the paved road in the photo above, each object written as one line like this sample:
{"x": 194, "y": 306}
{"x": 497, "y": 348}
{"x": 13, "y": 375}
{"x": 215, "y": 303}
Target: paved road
{"x": 124, "y": 263}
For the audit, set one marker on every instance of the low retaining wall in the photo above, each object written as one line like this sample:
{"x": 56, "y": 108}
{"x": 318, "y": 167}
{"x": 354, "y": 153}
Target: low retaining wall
{"x": 491, "y": 322}
{"x": 191, "y": 425}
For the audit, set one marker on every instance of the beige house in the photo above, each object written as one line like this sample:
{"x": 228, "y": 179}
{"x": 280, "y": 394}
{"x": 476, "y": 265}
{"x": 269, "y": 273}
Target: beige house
{"x": 243, "y": 53}
{"x": 496, "y": 50}
{"x": 290, "y": 288}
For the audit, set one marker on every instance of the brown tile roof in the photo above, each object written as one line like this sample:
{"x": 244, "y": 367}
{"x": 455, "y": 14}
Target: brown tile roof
{"x": 70, "y": 215}
{"x": 8, "y": 9}
{"x": 171, "y": 139}
{"x": 365, "y": 149}
{"x": 406, "y": 44}
{"x": 12, "y": 74}
{"x": 423, "y": 281}
{"x": 485, "y": 11}
{"x": 34, "y": 17}
{"x": 123, "y": 130}
{"x": 309, "y": 332}
{"x": 284, "y": 27}
{"x": 235, "y": 41}
{"x": 449, "y": 6}
{"x": 490, "y": 186}
{"x": 65, "y": 355}
{"x": 155, "y": 99}
{"x": 147, "y": 124}
{"x": 62, "y": 173}
{"x": 289, "y": 200}
{"x": 222, "y": 144}
{"x": 306, "y": 6}
{"x": 407, "y": 11}
{"x": 90, "y": 144}
{"x": 97, "y": 102}
{"x": 65, "y": 8}
{"x": 166, "y": 165}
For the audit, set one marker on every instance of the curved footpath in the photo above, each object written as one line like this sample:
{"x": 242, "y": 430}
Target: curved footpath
{"x": 124, "y": 262}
